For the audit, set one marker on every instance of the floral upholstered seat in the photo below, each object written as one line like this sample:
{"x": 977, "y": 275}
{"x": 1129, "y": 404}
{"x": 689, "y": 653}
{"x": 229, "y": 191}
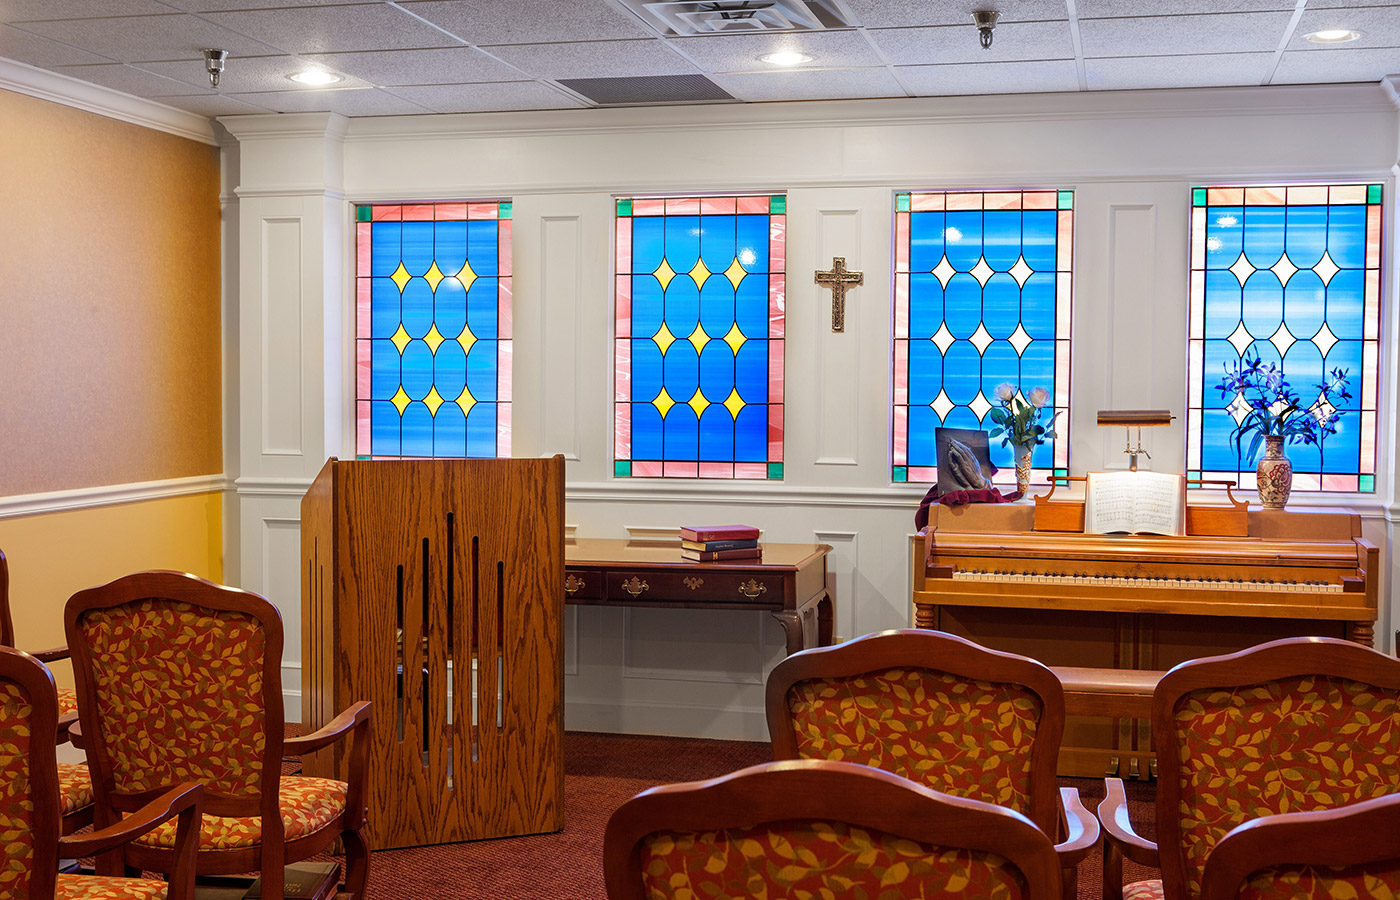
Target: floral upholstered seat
{"x": 1298, "y": 725}
{"x": 30, "y": 845}
{"x": 67, "y": 701}
{"x": 812, "y": 828}
{"x": 941, "y": 711}
{"x": 180, "y": 679}
{"x": 74, "y": 788}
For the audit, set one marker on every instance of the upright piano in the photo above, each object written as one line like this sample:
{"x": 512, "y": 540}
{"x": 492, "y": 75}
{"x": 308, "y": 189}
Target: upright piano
{"x": 1139, "y": 602}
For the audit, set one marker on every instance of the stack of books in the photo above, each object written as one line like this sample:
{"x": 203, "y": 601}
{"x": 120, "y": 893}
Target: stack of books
{"x": 706, "y": 543}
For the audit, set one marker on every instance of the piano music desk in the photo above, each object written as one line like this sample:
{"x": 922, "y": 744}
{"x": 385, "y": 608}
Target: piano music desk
{"x": 1137, "y": 602}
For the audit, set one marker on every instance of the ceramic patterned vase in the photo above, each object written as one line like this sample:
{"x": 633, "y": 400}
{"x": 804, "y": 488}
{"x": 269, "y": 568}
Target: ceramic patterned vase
{"x": 1022, "y": 453}
{"x": 1275, "y": 474}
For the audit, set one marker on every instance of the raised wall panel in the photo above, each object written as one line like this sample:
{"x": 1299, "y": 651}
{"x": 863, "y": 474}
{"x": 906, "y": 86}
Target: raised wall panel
{"x": 561, "y": 277}
{"x": 838, "y": 235}
{"x": 695, "y": 645}
{"x": 282, "y": 364}
{"x": 843, "y": 562}
{"x": 281, "y": 573}
{"x": 1128, "y": 381}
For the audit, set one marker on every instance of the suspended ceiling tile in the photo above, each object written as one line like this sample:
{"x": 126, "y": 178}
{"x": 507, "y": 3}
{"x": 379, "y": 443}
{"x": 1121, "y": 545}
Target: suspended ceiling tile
{"x": 1335, "y": 64}
{"x": 1328, "y": 4}
{"x": 147, "y": 38}
{"x": 961, "y": 43}
{"x": 595, "y": 59}
{"x": 347, "y": 103}
{"x": 1178, "y": 35}
{"x": 458, "y": 65}
{"x": 811, "y": 84}
{"x": 741, "y": 52}
{"x": 1099, "y": 9}
{"x": 26, "y": 10}
{"x": 330, "y": 29}
{"x": 495, "y": 97}
{"x": 905, "y": 13}
{"x": 1134, "y": 73}
{"x": 221, "y": 5}
{"x": 1379, "y": 27}
{"x": 212, "y": 105}
{"x": 529, "y": 21}
{"x": 243, "y": 74}
{"x": 24, "y": 47}
{"x": 131, "y": 80}
{"x": 1003, "y": 78}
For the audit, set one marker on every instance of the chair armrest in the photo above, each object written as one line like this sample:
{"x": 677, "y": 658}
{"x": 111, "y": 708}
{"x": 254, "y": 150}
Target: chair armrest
{"x": 181, "y": 800}
{"x": 50, "y": 656}
{"x": 1118, "y": 831}
{"x": 1081, "y": 829}
{"x": 75, "y": 733}
{"x": 356, "y": 716}
{"x": 65, "y": 726}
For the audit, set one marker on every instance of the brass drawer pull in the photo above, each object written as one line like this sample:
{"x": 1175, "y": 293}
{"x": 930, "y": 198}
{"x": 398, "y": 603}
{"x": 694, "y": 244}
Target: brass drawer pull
{"x": 572, "y": 585}
{"x": 752, "y": 588}
{"x": 635, "y": 586}
{"x": 692, "y": 582}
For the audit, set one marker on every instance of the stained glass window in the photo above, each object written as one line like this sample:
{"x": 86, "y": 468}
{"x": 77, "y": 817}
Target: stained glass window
{"x": 981, "y": 296}
{"x": 698, "y": 359}
{"x": 1290, "y": 274}
{"x": 432, "y": 333}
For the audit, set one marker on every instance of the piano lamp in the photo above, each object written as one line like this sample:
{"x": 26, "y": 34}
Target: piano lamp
{"x": 1139, "y": 419}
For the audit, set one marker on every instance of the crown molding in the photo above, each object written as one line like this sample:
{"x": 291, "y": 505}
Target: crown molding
{"x": 108, "y": 495}
{"x": 45, "y": 85}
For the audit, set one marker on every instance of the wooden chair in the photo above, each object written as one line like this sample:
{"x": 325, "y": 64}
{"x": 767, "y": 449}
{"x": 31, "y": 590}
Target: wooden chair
{"x": 74, "y": 782}
{"x": 180, "y": 679}
{"x": 1351, "y": 852}
{"x": 29, "y": 805}
{"x": 811, "y": 828}
{"x": 1294, "y": 725}
{"x": 942, "y": 711}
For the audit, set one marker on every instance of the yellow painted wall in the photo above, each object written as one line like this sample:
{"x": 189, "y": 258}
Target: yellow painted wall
{"x": 54, "y": 555}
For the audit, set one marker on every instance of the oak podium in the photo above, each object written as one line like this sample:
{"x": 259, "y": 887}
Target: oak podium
{"x": 434, "y": 588}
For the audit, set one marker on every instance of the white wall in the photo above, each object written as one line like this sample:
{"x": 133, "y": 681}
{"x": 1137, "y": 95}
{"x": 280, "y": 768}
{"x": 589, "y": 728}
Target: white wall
{"x": 1130, "y": 158}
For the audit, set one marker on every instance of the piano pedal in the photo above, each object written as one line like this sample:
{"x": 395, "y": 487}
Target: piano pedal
{"x": 1152, "y": 767}
{"x": 1112, "y": 771}
{"x": 1133, "y": 772}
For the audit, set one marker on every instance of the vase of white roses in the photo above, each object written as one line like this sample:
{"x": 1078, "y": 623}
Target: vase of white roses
{"x": 1018, "y": 424}
{"x": 1274, "y": 415}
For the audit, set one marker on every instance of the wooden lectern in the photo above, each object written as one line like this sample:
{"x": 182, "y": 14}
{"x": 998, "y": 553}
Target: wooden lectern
{"x": 435, "y": 589}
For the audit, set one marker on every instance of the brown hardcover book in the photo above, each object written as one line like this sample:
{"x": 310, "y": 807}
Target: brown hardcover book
{"x": 703, "y": 533}
{"x": 711, "y": 546}
{"x": 305, "y": 881}
{"x": 712, "y": 555}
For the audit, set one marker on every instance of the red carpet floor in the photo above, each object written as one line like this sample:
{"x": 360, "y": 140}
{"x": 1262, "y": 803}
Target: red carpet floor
{"x": 602, "y": 771}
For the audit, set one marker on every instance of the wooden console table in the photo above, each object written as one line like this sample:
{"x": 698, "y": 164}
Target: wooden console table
{"x": 790, "y": 581}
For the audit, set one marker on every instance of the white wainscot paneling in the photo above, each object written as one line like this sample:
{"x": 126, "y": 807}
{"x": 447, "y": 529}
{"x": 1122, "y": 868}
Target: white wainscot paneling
{"x": 281, "y": 584}
{"x": 843, "y": 562}
{"x": 714, "y": 645}
{"x": 281, "y": 314}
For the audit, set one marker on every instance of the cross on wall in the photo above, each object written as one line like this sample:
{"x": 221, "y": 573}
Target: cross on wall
{"x": 839, "y": 281}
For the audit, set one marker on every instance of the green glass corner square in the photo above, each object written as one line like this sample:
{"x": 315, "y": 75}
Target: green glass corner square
{"x": 1373, "y": 193}
{"x": 624, "y": 207}
{"x": 1198, "y": 196}
{"x": 1066, "y": 200}
{"x": 362, "y": 457}
{"x": 901, "y": 202}
{"x": 1193, "y": 476}
{"x": 775, "y": 471}
{"x": 777, "y": 206}
{"x": 622, "y": 468}
{"x": 362, "y": 213}
{"x": 1367, "y": 483}
{"x": 1062, "y": 473}
{"x": 504, "y": 210}
{"x": 899, "y": 474}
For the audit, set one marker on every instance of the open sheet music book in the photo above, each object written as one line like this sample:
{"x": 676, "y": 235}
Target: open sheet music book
{"x": 1135, "y": 502}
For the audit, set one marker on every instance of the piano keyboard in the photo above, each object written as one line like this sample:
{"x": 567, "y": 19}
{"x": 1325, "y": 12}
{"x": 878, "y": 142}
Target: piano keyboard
{"x": 1147, "y": 581}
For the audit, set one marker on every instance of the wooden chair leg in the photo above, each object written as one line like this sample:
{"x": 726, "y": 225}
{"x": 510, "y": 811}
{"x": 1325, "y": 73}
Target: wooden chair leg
{"x": 1071, "y": 883}
{"x": 356, "y": 862}
{"x": 1112, "y": 872}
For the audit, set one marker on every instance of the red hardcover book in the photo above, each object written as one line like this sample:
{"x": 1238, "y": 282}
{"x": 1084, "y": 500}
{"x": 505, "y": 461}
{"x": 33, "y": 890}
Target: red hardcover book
{"x": 705, "y": 533}
{"x": 712, "y": 555}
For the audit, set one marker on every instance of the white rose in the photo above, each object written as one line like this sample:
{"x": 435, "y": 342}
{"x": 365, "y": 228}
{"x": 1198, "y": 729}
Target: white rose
{"x": 1038, "y": 397}
{"x": 1005, "y": 391}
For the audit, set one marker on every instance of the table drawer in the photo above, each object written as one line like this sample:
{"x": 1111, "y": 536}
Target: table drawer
{"x": 581, "y": 584}
{"x": 699, "y": 585}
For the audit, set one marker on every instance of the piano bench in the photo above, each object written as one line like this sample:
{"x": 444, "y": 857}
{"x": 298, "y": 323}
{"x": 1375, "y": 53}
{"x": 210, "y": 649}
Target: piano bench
{"x": 1108, "y": 693}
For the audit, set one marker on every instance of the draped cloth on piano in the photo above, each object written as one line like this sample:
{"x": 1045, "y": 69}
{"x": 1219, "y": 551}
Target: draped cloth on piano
{"x": 959, "y": 498}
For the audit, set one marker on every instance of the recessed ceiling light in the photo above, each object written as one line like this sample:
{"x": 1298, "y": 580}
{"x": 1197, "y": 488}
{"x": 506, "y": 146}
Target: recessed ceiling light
{"x": 314, "y": 76}
{"x": 1332, "y": 36}
{"x": 785, "y": 58}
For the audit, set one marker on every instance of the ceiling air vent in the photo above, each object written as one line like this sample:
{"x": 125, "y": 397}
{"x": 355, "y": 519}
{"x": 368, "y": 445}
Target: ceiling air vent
{"x": 647, "y": 89}
{"x": 700, "y": 17}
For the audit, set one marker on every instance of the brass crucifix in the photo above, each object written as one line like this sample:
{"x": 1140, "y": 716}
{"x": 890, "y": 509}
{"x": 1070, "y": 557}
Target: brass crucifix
{"x": 840, "y": 281}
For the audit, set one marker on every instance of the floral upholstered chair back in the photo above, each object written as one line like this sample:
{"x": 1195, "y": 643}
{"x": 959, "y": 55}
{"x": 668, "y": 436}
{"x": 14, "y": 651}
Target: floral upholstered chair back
{"x": 176, "y": 674}
{"x": 928, "y": 706}
{"x": 1350, "y": 853}
{"x": 821, "y": 829}
{"x": 29, "y": 816}
{"x": 1292, "y": 726}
